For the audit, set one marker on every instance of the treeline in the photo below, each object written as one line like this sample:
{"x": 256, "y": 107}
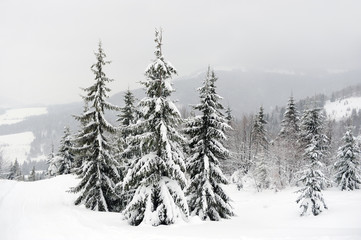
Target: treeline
{"x": 23, "y": 172}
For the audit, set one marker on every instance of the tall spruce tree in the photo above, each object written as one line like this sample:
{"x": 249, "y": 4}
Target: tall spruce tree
{"x": 311, "y": 198}
{"x": 100, "y": 171}
{"x": 207, "y": 198}
{"x": 290, "y": 123}
{"x": 65, "y": 156}
{"x": 287, "y": 144}
{"x": 348, "y": 171}
{"x": 260, "y": 145}
{"x": 128, "y": 115}
{"x": 259, "y": 133}
{"x": 157, "y": 171}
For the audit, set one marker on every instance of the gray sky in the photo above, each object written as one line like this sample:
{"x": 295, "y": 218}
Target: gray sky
{"x": 47, "y": 46}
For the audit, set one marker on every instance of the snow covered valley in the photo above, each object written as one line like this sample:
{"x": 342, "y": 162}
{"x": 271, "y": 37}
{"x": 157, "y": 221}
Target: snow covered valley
{"x": 45, "y": 210}
{"x": 12, "y": 116}
{"x": 341, "y": 109}
{"x": 16, "y": 146}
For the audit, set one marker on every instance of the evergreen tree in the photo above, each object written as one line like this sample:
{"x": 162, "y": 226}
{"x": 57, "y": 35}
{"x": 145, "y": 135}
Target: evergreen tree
{"x": 65, "y": 157}
{"x": 128, "y": 116}
{"x": 260, "y": 146}
{"x": 311, "y": 198}
{"x": 52, "y": 168}
{"x": 15, "y": 172}
{"x": 312, "y": 127}
{"x": 287, "y": 144}
{"x": 207, "y": 198}
{"x": 290, "y": 123}
{"x": 261, "y": 172}
{"x": 128, "y": 113}
{"x": 348, "y": 171}
{"x": 32, "y": 176}
{"x": 259, "y": 133}
{"x": 100, "y": 171}
{"x": 157, "y": 170}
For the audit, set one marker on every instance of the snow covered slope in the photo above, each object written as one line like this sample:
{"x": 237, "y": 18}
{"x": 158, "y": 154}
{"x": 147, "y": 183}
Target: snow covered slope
{"x": 16, "y": 146}
{"x": 17, "y": 115}
{"x": 44, "y": 210}
{"x": 341, "y": 109}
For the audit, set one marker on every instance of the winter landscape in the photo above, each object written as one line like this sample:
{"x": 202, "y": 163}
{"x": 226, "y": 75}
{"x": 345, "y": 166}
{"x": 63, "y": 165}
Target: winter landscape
{"x": 252, "y": 133}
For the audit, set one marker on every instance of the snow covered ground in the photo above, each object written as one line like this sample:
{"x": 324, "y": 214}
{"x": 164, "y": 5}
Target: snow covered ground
{"x": 17, "y": 115}
{"x": 340, "y": 109}
{"x": 16, "y": 146}
{"x": 44, "y": 210}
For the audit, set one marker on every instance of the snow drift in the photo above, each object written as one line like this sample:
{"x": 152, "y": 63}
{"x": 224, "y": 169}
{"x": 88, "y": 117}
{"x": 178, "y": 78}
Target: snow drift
{"x": 45, "y": 210}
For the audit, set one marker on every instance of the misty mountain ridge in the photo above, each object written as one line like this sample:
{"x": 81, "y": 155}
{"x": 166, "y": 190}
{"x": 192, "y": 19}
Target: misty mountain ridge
{"x": 243, "y": 90}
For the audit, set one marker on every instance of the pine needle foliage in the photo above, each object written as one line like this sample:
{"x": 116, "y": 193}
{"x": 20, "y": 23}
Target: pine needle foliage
{"x": 157, "y": 172}
{"x": 348, "y": 171}
{"x": 206, "y": 196}
{"x": 100, "y": 171}
{"x": 311, "y": 197}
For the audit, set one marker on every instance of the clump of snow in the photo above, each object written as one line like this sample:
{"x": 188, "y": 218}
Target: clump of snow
{"x": 17, "y": 115}
{"x": 341, "y": 109}
{"x": 16, "y": 146}
{"x": 45, "y": 210}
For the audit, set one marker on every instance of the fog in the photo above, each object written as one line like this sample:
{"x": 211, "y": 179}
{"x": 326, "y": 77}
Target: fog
{"x": 47, "y": 46}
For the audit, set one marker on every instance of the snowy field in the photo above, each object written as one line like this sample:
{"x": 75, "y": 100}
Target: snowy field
{"x": 341, "y": 109}
{"x": 16, "y": 146}
{"x": 17, "y": 115}
{"x": 43, "y": 210}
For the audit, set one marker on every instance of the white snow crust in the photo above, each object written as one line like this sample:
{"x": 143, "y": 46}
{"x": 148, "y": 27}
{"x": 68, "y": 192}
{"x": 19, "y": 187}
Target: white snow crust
{"x": 17, "y": 115}
{"x": 45, "y": 210}
{"x": 341, "y": 109}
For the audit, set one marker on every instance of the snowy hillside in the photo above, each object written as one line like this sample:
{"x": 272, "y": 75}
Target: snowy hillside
{"x": 17, "y": 115}
{"x": 16, "y": 146}
{"x": 341, "y": 109}
{"x": 44, "y": 210}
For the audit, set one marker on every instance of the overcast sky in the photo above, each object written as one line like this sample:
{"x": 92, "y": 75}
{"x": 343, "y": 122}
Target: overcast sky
{"x": 47, "y": 46}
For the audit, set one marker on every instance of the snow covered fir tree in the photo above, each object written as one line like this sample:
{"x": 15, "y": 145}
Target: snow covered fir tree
{"x": 100, "y": 171}
{"x": 206, "y": 197}
{"x": 315, "y": 142}
{"x": 260, "y": 147}
{"x": 157, "y": 173}
{"x": 63, "y": 161}
{"x": 128, "y": 115}
{"x": 287, "y": 146}
{"x": 15, "y": 171}
{"x": 348, "y": 171}
{"x": 259, "y": 134}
